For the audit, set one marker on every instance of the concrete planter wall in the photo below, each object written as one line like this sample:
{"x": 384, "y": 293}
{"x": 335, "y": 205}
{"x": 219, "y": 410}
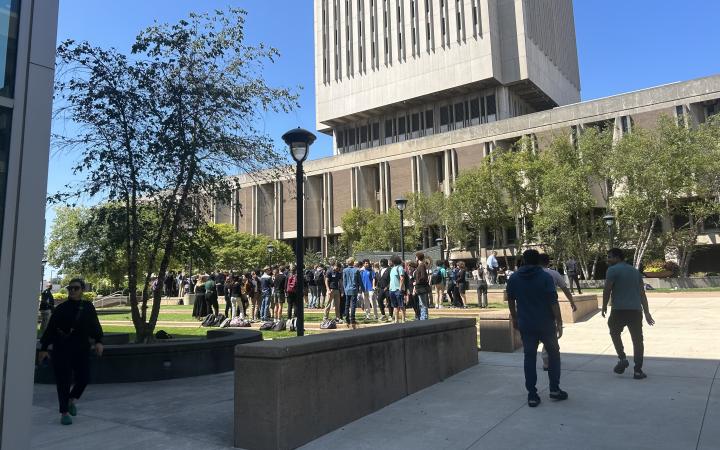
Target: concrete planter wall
{"x": 132, "y": 363}
{"x": 497, "y": 333}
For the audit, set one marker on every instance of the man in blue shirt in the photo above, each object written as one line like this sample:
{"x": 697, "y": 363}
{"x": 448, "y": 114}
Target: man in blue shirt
{"x": 625, "y": 284}
{"x": 537, "y": 317}
{"x": 352, "y": 285}
{"x": 397, "y": 288}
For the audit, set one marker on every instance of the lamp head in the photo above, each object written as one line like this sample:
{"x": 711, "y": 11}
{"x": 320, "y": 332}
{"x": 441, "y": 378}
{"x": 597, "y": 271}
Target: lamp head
{"x": 439, "y": 241}
{"x": 401, "y": 203}
{"x": 299, "y": 141}
{"x": 270, "y": 248}
{"x": 609, "y": 220}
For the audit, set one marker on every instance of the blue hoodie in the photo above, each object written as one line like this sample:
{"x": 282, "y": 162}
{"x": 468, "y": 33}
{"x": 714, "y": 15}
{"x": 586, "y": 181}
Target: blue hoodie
{"x": 351, "y": 281}
{"x": 534, "y": 293}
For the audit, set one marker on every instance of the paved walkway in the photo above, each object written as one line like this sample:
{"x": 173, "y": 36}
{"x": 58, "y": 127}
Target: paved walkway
{"x": 677, "y": 407}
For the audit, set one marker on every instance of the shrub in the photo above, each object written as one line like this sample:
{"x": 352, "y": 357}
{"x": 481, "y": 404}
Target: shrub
{"x": 62, "y": 296}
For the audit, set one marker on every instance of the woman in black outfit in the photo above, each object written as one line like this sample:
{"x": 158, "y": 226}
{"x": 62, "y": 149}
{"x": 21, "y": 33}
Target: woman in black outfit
{"x": 199, "y": 307}
{"x": 71, "y": 327}
{"x": 461, "y": 284}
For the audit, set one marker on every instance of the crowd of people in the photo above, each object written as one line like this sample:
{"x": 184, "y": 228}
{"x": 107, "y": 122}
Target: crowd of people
{"x": 383, "y": 290}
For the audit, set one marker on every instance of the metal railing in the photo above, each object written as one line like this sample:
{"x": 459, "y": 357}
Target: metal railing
{"x": 114, "y": 299}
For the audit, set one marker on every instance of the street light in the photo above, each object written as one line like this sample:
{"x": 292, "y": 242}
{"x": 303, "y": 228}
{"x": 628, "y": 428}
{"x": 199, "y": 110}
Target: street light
{"x": 299, "y": 141}
{"x": 401, "y": 204}
{"x": 270, "y": 249}
{"x": 439, "y": 242}
{"x": 609, "y": 220}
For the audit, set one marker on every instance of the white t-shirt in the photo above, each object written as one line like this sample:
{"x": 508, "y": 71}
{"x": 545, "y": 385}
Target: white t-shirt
{"x": 557, "y": 278}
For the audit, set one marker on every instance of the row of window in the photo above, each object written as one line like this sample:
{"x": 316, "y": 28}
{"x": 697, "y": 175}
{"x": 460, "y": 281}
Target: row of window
{"x": 402, "y": 8}
{"x": 415, "y": 124}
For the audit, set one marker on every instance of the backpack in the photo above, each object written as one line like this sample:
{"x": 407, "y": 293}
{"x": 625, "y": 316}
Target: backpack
{"x": 292, "y": 324}
{"x": 328, "y": 324}
{"x": 309, "y": 277}
{"x": 291, "y": 283}
{"x": 279, "y": 326}
{"x": 265, "y": 326}
{"x": 436, "y": 278}
{"x": 225, "y": 323}
{"x": 162, "y": 335}
{"x": 319, "y": 275}
{"x": 208, "y": 320}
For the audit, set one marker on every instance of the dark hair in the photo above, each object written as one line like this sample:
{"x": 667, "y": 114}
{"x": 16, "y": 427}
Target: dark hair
{"x": 531, "y": 257}
{"x": 396, "y": 260}
{"x": 544, "y": 259}
{"x": 383, "y": 262}
{"x": 420, "y": 256}
{"x": 366, "y": 261}
{"x": 617, "y": 253}
{"x": 79, "y": 281}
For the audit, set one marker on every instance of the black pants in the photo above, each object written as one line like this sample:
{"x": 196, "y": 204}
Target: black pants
{"x": 482, "y": 294}
{"x": 413, "y": 302}
{"x": 531, "y": 339}
{"x": 71, "y": 364}
{"x": 573, "y": 277}
{"x": 621, "y": 318}
{"x": 292, "y": 299}
{"x": 228, "y": 306}
{"x": 212, "y": 304}
{"x": 381, "y": 297}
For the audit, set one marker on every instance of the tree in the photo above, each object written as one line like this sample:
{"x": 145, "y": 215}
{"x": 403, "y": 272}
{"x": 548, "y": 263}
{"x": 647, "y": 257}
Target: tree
{"x": 163, "y": 127}
{"x": 369, "y": 231}
{"x": 353, "y": 222}
{"x": 425, "y": 212}
{"x": 244, "y": 251}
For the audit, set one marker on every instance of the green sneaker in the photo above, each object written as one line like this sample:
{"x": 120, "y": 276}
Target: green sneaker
{"x": 66, "y": 420}
{"x": 72, "y": 409}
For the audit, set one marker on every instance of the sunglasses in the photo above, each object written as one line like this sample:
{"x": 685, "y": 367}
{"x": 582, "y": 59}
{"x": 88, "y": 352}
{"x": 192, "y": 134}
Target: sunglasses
{"x": 74, "y": 288}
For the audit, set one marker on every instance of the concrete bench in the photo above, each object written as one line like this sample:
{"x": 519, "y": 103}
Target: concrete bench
{"x": 497, "y": 333}
{"x": 286, "y": 391}
{"x": 587, "y": 305}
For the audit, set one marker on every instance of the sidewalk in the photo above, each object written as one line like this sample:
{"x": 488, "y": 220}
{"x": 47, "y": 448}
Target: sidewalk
{"x": 676, "y": 407}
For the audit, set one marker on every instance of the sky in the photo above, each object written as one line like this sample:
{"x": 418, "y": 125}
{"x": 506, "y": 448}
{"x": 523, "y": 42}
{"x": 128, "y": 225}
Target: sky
{"x": 623, "y": 45}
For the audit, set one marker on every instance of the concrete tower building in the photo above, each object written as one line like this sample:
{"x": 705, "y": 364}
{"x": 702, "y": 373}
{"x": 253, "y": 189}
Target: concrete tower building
{"x": 391, "y": 70}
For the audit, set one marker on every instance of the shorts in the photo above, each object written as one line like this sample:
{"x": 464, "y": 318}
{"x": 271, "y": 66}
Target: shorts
{"x": 397, "y": 299}
{"x": 278, "y": 297}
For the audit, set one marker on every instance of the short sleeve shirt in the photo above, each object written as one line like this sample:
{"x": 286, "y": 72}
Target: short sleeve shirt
{"x": 627, "y": 285}
{"x": 557, "y": 278}
{"x": 395, "y": 273}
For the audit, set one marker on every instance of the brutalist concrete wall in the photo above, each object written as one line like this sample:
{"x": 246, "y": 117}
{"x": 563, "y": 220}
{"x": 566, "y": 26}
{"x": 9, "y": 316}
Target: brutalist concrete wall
{"x": 282, "y": 388}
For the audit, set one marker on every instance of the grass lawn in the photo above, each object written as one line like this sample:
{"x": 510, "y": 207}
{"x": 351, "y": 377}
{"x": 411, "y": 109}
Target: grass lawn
{"x": 193, "y": 332}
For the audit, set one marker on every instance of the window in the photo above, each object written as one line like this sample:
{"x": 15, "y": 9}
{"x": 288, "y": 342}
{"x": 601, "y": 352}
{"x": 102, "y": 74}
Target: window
{"x": 415, "y": 124}
{"x": 414, "y": 25}
{"x": 680, "y": 114}
{"x": 444, "y": 23}
{"x": 348, "y": 38}
{"x": 428, "y": 27}
{"x": 361, "y": 36}
{"x": 401, "y": 129}
{"x": 459, "y": 115}
{"x": 491, "y": 108}
{"x": 363, "y": 136}
{"x": 341, "y": 139}
{"x": 625, "y": 124}
{"x": 444, "y": 118}
{"x": 376, "y": 133}
{"x": 326, "y": 57}
{"x": 476, "y": 18}
{"x": 387, "y": 31}
{"x": 474, "y": 111}
{"x": 429, "y": 121}
{"x": 460, "y": 16}
{"x": 336, "y": 29}
{"x": 351, "y": 138}
{"x": 373, "y": 35}
{"x": 388, "y": 131}
{"x": 400, "y": 28}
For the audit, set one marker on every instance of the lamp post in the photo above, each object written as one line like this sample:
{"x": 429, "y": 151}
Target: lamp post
{"x": 401, "y": 203}
{"x": 299, "y": 141}
{"x": 270, "y": 250}
{"x": 439, "y": 242}
{"x": 609, "y": 220}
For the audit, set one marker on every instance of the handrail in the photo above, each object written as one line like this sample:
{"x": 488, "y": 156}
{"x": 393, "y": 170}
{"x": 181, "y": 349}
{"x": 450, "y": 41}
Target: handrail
{"x": 101, "y": 301}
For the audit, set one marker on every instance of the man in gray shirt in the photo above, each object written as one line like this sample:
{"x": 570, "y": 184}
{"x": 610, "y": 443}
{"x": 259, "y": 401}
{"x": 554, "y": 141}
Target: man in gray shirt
{"x": 625, "y": 285}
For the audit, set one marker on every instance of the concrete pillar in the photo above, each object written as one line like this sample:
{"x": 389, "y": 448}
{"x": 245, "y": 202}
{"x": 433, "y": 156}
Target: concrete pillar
{"x": 413, "y": 174}
{"x": 447, "y": 167}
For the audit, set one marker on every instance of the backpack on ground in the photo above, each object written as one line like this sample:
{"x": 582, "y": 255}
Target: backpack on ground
{"x": 208, "y": 320}
{"x": 219, "y": 319}
{"x": 225, "y": 323}
{"x": 279, "y": 326}
{"x": 162, "y": 335}
{"x": 292, "y": 324}
{"x": 266, "y": 326}
{"x": 328, "y": 324}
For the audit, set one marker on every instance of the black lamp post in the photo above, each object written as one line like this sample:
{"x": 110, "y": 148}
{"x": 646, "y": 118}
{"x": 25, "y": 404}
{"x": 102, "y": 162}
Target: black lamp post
{"x": 270, "y": 249}
{"x": 299, "y": 141}
{"x": 439, "y": 242}
{"x": 609, "y": 220}
{"x": 401, "y": 204}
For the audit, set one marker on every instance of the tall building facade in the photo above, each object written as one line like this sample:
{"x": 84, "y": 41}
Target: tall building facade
{"x": 28, "y": 31}
{"x": 414, "y": 92}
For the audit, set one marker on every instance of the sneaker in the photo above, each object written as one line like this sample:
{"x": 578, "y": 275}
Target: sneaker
{"x": 558, "y": 395}
{"x": 383, "y": 318}
{"x": 72, "y": 409}
{"x": 533, "y": 400}
{"x": 65, "y": 419}
{"x": 621, "y": 366}
{"x": 639, "y": 374}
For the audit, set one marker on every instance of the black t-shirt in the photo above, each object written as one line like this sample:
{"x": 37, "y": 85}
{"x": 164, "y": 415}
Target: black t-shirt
{"x": 334, "y": 279}
{"x": 236, "y": 289}
{"x": 279, "y": 283}
{"x": 69, "y": 330}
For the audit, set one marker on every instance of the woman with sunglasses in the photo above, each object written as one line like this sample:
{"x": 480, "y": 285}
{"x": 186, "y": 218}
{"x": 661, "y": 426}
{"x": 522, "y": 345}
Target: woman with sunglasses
{"x": 71, "y": 327}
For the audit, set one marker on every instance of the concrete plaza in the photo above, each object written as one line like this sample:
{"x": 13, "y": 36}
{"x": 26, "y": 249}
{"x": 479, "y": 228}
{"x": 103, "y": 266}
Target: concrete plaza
{"x": 676, "y": 407}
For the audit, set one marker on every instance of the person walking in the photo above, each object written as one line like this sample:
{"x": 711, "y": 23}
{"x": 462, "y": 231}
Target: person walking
{"x": 492, "y": 266}
{"x": 352, "y": 285}
{"x": 624, "y": 286}
{"x": 533, "y": 304}
{"x": 559, "y": 282}
{"x": 369, "y": 300}
{"x": 47, "y": 305}
{"x": 69, "y": 331}
{"x": 397, "y": 287}
{"x": 422, "y": 286}
{"x": 333, "y": 281}
{"x": 572, "y": 273}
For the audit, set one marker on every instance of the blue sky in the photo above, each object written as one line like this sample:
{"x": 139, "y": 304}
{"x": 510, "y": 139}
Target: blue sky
{"x": 623, "y": 45}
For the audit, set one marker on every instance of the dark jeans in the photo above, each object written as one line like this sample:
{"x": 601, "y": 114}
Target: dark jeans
{"x": 228, "y": 306}
{"x": 350, "y": 306}
{"x": 69, "y": 365}
{"x": 531, "y": 339}
{"x": 618, "y": 320}
{"x": 292, "y": 299}
{"x": 212, "y": 304}
{"x": 573, "y": 277}
{"x": 413, "y": 303}
{"x": 382, "y": 298}
{"x": 493, "y": 275}
{"x": 482, "y": 291}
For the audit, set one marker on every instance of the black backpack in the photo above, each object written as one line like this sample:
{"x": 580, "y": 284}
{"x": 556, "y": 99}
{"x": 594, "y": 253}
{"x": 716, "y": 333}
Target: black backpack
{"x": 435, "y": 278}
{"x": 219, "y": 319}
{"x": 279, "y": 326}
{"x": 208, "y": 320}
